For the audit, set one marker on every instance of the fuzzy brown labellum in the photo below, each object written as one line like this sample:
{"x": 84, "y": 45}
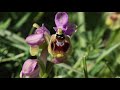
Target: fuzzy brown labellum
{"x": 59, "y": 46}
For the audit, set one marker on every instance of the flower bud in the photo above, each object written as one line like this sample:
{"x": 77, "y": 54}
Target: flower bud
{"x": 34, "y": 42}
{"x": 42, "y": 30}
{"x": 35, "y": 39}
{"x": 30, "y": 69}
{"x": 38, "y": 39}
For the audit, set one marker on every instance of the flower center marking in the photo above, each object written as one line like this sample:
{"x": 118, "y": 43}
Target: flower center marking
{"x": 60, "y": 43}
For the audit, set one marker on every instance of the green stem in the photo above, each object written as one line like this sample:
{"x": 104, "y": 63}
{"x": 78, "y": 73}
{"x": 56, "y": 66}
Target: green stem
{"x": 48, "y": 69}
{"x": 70, "y": 68}
{"x": 31, "y": 31}
{"x": 47, "y": 37}
{"x": 110, "y": 69}
{"x": 45, "y": 75}
{"x": 76, "y": 65}
{"x": 85, "y": 67}
{"x": 112, "y": 37}
{"x": 99, "y": 34}
{"x": 12, "y": 58}
{"x": 38, "y": 16}
{"x": 81, "y": 20}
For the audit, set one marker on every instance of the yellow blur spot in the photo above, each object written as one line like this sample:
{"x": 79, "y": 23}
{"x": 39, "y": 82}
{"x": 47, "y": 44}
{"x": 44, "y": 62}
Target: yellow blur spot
{"x": 35, "y": 25}
{"x": 59, "y": 55}
{"x": 59, "y": 31}
{"x": 34, "y": 50}
{"x": 109, "y": 22}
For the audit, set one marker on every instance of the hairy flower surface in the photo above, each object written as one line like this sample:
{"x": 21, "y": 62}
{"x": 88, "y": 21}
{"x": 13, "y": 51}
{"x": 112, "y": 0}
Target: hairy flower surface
{"x": 59, "y": 46}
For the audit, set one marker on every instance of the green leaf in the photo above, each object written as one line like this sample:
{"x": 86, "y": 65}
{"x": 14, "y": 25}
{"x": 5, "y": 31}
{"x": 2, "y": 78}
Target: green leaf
{"x": 12, "y": 37}
{"x": 107, "y": 52}
{"x": 38, "y": 16}
{"x": 12, "y": 58}
{"x": 69, "y": 68}
{"x": 22, "y": 20}
{"x": 43, "y": 68}
{"x": 81, "y": 20}
{"x": 5, "y": 24}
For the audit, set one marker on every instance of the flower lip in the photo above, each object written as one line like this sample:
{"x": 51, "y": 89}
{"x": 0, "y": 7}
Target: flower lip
{"x": 35, "y": 39}
{"x": 61, "y": 19}
{"x": 61, "y": 46}
{"x": 58, "y": 60}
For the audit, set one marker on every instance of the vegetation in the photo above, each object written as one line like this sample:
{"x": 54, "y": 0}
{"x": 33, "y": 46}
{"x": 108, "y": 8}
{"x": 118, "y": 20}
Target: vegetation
{"x": 96, "y": 47}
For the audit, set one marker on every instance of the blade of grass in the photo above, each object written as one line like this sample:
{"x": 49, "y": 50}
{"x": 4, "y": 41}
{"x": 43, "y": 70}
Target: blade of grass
{"x": 38, "y": 16}
{"x": 48, "y": 69}
{"x": 85, "y": 67}
{"x": 12, "y": 37}
{"x": 22, "y": 20}
{"x": 21, "y": 47}
{"x": 110, "y": 69}
{"x": 31, "y": 31}
{"x": 14, "y": 15}
{"x": 77, "y": 64}
{"x": 107, "y": 52}
{"x": 12, "y": 58}
{"x": 104, "y": 54}
{"x": 82, "y": 29}
{"x": 70, "y": 68}
{"x": 81, "y": 20}
{"x": 6, "y": 24}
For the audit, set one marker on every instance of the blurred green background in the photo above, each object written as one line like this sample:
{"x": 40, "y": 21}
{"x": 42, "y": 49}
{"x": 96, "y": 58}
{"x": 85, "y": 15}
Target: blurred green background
{"x": 96, "y": 49}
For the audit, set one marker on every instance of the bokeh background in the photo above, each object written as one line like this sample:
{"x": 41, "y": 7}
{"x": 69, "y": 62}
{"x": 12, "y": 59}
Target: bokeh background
{"x": 96, "y": 47}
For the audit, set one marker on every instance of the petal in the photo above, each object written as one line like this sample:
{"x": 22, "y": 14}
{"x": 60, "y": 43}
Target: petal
{"x": 42, "y": 30}
{"x": 34, "y": 50}
{"x": 35, "y": 39}
{"x": 61, "y": 19}
{"x": 55, "y": 28}
{"x": 21, "y": 74}
{"x": 58, "y": 60}
{"x": 70, "y": 29}
{"x": 35, "y": 74}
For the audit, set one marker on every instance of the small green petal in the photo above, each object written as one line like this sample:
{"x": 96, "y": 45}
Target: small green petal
{"x": 34, "y": 50}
